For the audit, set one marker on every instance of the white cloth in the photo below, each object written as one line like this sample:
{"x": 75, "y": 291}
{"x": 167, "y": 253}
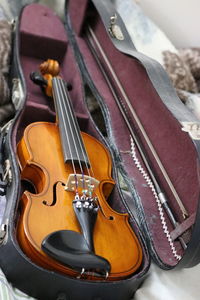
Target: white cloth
{"x": 170, "y": 285}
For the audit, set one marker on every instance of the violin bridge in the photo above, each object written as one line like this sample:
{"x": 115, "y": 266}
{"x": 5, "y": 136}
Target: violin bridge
{"x": 87, "y": 183}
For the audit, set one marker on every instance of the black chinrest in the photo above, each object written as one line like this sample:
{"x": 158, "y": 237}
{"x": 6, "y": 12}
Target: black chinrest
{"x": 71, "y": 249}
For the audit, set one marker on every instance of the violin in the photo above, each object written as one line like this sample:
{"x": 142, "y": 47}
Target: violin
{"x": 66, "y": 224}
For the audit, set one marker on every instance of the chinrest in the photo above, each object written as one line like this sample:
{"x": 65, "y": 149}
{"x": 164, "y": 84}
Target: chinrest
{"x": 71, "y": 249}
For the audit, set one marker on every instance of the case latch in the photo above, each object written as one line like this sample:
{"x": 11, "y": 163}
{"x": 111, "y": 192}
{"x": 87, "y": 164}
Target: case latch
{"x": 5, "y": 176}
{"x": 114, "y": 29}
{"x": 3, "y": 183}
{"x": 17, "y": 93}
{"x": 7, "y": 172}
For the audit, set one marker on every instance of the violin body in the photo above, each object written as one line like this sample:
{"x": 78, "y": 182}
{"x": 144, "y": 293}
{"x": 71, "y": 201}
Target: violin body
{"x": 50, "y": 209}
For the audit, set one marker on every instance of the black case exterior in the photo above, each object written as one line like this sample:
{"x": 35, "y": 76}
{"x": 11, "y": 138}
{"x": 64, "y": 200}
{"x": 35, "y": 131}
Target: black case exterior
{"x": 43, "y": 284}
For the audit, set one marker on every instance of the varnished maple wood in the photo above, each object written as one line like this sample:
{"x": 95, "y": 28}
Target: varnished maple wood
{"x": 41, "y": 161}
{"x": 49, "y": 68}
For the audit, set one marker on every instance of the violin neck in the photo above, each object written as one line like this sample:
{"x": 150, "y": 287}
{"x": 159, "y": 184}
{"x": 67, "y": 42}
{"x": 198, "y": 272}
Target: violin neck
{"x": 72, "y": 143}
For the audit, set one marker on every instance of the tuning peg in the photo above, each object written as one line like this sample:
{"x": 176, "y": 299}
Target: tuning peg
{"x": 38, "y": 79}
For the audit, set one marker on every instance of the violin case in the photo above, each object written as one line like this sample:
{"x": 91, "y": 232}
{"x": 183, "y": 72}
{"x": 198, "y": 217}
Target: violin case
{"x": 135, "y": 108}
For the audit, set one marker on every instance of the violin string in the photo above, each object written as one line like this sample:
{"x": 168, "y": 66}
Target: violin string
{"x": 55, "y": 92}
{"x": 80, "y": 140}
{"x": 59, "y": 82}
{"x": 68, "y": 112}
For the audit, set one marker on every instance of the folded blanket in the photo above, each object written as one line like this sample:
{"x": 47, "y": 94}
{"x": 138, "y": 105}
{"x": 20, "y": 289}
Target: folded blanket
{"x": 10, "y": 9}
{"x": 183, "y": 69}
{"x": 6, "y": 107}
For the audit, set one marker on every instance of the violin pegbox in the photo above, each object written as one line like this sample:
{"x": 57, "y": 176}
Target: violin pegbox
{"x": 48, "y": 69}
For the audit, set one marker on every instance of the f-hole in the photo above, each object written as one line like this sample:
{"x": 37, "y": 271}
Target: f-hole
{"x": 54, "y": 195}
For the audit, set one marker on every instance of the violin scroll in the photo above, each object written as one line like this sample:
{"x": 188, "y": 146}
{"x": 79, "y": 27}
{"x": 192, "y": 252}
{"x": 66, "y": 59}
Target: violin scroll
{"x": 50, "y": 66}
{"x": 48, "y": 69}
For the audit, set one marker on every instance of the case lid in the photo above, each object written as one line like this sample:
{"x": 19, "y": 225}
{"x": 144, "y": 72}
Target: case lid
{"x": 153, "y": 136}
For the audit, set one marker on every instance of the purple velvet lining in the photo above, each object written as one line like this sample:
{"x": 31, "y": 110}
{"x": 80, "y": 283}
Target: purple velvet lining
{"x": 39, "y": 34}
{"x": 120, "y": 135}
{"x": 78, "y": 10}
{"x": 174, "y": 147}
{"x": 50, "y": 29}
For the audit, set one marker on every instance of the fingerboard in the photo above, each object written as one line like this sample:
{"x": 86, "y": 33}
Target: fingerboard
{"x": 71, "y": 139}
